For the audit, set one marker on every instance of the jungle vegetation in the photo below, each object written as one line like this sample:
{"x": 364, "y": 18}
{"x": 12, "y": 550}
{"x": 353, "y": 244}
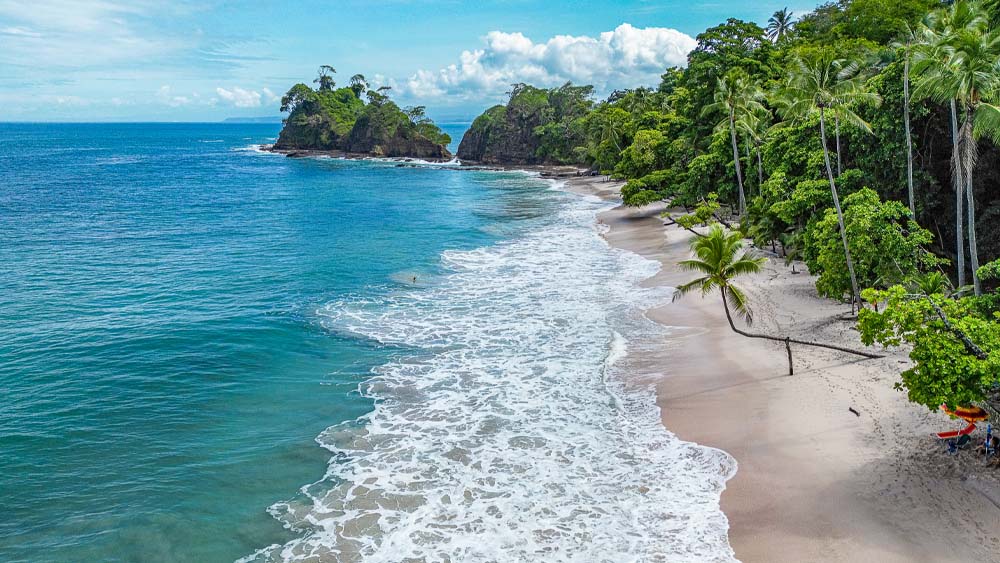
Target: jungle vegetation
{"x": 863, "y": 137}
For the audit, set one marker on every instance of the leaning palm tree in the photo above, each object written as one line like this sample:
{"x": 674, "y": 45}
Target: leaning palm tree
{"x": 720, "y": 260}
{"x": 969, "y": 75}
{"x": 818, "y": 87}
{"x": 779, "y": 25}
{"x": 735, "y": 96}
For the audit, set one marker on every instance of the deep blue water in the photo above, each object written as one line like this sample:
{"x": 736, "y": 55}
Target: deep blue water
{"x": 163, "y": 370}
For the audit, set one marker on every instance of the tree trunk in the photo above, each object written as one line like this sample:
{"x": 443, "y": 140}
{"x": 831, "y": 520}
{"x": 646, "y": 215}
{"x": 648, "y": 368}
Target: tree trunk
{"x": 836, "y": 126}
{"x": 956, "y": 165}
{"x": 788, "y": 341}
{"x": 749, "y": 191}
{"x": 909, "y": 141}
{"x": 736, "y": 162}
{"x": 855, "y": 295}
{"x": 968, "y": 143}
{"x": 760, "y": 170}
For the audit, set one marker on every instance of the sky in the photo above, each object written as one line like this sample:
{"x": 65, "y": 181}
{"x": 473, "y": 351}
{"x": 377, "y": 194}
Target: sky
{"x": 187, "y": 60}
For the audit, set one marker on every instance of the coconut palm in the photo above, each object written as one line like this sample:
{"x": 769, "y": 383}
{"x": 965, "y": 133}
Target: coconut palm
{"x": 735, "y": 96}
{"x": 932, "y": 55}
{"x": 779, "y": 25}
{"x": 906, "y": 46}
{"x": 931, "y": 283}
{"x": 821, "y": 86}
{"x": 969, "y": 75}
{"x": 720, "y": 260}
{"x": 852, "y": 76}
{"x": 755, "y": 125}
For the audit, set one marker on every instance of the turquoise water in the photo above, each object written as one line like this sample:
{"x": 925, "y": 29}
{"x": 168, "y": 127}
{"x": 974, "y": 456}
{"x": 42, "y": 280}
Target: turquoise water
{"x": 164, "y": 372}
{"x": 210, "y": 353}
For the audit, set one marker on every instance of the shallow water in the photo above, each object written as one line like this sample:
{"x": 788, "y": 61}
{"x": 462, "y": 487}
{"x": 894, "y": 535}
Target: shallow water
{"x": 184, "y": 315}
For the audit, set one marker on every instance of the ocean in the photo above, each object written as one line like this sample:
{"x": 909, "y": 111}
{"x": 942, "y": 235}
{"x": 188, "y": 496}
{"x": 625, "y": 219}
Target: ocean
{"x": 212, "y": 353}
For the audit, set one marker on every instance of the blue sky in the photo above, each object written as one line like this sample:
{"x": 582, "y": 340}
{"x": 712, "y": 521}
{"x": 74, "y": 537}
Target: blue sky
{"x": 100, "y": 60}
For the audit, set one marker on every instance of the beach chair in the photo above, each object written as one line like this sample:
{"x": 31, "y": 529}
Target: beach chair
{"x": 952, "y": 434}
{"x": 959, "y": 443}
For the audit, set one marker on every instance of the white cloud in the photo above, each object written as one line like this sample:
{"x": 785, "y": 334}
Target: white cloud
{"x": 75, "y": 33}
{"x": 240, "y": 98}
{"x": 19, "y": 31}
{"x": 166, "y": 96}
{"x": 269, "y": 96}
{"x": 625, "y": 57}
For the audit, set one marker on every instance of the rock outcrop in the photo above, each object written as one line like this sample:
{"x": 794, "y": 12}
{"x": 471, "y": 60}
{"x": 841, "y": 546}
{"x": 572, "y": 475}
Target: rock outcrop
{"x": 502, "y": 136}
{"x": 536, "y": 126}
{"x": 328, "y": 119}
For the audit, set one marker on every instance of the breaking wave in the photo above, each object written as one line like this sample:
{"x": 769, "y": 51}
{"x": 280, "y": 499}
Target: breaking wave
{"x": 506, "y": 429}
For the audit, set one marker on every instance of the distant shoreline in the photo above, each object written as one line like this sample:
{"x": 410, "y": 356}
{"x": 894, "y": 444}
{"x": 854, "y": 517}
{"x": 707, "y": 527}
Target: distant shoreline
{"x": 544, "y": 170}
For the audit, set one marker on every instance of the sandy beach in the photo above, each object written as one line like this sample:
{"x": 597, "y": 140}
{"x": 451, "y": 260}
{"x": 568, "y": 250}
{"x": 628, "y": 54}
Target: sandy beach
{"x": 815, "y": 481}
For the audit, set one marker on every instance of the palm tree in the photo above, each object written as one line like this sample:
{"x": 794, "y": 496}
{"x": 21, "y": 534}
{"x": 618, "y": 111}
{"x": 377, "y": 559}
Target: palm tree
{"x": 736, "y": 95}
{"x": 851, "y": 78}
{"x": 931, "y": 283}
{"x": 719, "y": 259}
{"x": 779, "y": 25}
{"x": 907, "y": 44}
{"x": 932, "y": 54}
{"x": 818, "y": 87}
{"x": 756, "y": 124}
{"x": 969, "y": 75}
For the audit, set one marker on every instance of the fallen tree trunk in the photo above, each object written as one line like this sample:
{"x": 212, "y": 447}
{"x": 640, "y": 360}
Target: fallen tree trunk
{"x": 788, "y": 341}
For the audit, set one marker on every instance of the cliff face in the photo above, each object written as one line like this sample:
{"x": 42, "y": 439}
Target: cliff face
{"x": 502, "y": 136}
{"x": 378, "y": 135}
{"x": 338, "y": 120}
{"x": 536, "y": 126}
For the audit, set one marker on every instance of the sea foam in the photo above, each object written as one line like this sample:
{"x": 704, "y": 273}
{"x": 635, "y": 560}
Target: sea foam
{"x": 506, "y": 429}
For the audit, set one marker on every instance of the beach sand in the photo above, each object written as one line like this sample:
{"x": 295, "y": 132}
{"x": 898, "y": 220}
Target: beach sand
{"x": 815, "y": 482}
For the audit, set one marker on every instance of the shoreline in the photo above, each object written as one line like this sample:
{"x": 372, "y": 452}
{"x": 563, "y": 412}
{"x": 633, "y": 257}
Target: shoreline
{"x": 814, "y": 481}
{"x": 549, "y": 171}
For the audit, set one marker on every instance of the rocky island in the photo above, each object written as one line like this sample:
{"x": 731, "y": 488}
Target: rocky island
{"x": 536, "y": 126}
{"x": 334, "y": 120}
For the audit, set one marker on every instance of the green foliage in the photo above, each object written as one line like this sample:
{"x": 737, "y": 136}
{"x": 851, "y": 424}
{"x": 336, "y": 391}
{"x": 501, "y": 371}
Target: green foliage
{"x": 535, "y": 126}
{"x": 337, "y": 119}
{"x": 990, "y": 271}
{"x": 643, "y": 155}
{"x": 931, "y": 283}
{"x": 944, "y": 370}
{"x": 703, "y": 214}
{"x": 888, "y": 247}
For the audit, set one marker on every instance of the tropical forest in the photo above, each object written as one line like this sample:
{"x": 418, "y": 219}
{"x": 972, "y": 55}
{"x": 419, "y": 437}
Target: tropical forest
{"x": 862, "y": 138}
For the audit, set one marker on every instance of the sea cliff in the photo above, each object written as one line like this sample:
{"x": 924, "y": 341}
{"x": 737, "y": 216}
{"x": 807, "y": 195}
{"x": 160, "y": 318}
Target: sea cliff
{"x": 534, "y": 127}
